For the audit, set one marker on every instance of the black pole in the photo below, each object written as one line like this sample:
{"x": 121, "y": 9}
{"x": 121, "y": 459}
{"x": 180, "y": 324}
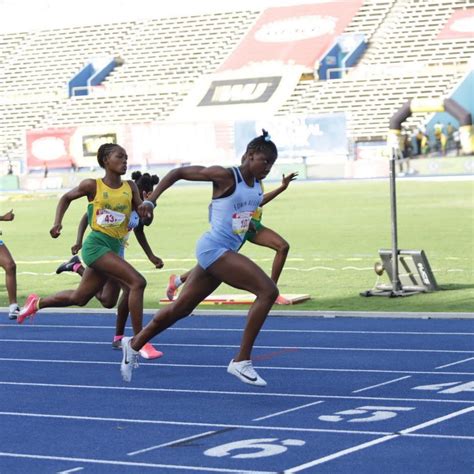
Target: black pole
{"x": 396, "y": 285}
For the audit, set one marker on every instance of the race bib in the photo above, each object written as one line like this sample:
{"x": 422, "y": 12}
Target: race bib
{"x": 109, "y": 218}
{"x": 241, "y": 222}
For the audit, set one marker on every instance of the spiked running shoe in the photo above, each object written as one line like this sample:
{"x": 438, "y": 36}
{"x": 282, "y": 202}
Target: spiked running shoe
{"x": 117, "y": 343}
{"x": 282, "y": 300}
{"x": 13, "y": 312}
{"x": 171, "y": 289}
{"x": 129, "y": 359}
{"x": 149, "y": 352}
{"x": 30, "y": 308}
{"x": 245, "y": 372}
{"x": 69, "y": 265}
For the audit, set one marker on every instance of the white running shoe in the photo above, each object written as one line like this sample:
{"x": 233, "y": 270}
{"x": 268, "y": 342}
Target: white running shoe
{"x": 13, "y": 311}
{"x": 244, "y": 371}
{"x": 129, "y": 359}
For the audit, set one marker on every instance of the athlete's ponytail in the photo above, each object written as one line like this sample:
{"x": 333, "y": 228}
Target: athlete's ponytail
{"x": 263, "y": 144}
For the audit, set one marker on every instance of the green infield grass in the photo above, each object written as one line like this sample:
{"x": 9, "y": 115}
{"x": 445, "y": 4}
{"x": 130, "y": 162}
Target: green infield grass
{"x": 334, "y": 228}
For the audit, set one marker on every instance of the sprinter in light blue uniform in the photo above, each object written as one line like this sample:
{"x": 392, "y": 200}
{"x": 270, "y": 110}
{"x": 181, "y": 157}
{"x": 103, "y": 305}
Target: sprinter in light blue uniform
{"x": 237, "y": 193}
{"x": 230, "y": 218}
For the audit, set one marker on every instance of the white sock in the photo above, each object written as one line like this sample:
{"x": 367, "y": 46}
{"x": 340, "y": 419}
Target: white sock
{"x": 177, "y": 282}
{"x": 12, "y": 307}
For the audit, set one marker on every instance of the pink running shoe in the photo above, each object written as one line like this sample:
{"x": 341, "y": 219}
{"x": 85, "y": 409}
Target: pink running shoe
{"x": 29, "y": 309}
{"x": 171, "y": 289}
{"x": 149, "y": 352}
{"x": 282, "y": 300}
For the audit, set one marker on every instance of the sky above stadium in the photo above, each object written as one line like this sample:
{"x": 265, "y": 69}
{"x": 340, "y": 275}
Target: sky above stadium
{"x": 27, "y": 15}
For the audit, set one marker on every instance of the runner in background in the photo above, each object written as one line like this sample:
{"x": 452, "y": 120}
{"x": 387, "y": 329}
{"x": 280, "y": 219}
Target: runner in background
{"x": 109, "y": 294}
{"x": 111, "y": 202}
{"x": 8, "y": 264}
{"x": 258, "y": 234}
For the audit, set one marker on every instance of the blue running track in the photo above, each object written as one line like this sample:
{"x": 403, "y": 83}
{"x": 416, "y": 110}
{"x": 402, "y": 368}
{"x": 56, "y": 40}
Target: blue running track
{"x": 344, "y": 395}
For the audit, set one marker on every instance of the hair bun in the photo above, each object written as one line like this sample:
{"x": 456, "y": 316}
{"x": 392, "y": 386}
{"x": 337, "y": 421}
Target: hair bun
{"x": 136, "y": 175}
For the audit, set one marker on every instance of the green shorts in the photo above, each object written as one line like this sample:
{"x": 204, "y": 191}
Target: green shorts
{"x": 255, "y": 225}
{"x": 98, "y": 244}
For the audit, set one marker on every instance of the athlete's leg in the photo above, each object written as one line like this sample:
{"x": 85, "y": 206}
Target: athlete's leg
{"x": 88, "y": 287}
{"x": 8, "y": 264}
{"x": 240, "y": 272}
{"x": 269, "y": 238}
{"x": 119, "y": 269}
{"x": 200, "y": 284}
{"x": 109, "y": 294}
{"x": 122, "y": 313}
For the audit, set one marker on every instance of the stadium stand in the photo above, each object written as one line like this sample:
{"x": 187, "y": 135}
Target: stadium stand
{"x": 404, "y": 60}
{"x": 163, "y": 58}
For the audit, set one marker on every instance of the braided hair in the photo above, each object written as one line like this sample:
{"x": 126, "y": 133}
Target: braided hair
{"x": 145, "y": 182}
{"x": 263, "y": 144}
{"x": 104, "y": 151}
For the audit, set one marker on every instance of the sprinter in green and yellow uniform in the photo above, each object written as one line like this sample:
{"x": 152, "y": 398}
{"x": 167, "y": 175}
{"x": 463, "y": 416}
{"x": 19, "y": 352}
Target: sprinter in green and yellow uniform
{"x": 111, "y": 202}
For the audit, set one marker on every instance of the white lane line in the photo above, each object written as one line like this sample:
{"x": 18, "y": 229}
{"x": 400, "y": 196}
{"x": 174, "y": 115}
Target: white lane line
{"x": 129, "y": 463}
{"x": 233, "y": 346}
{"x": 339, "y": 454}
{"x": 455, "y": 363}
{"x": 287, "y": 411}
{"x": 238, "y": 330}
{"x": 374, "y": 442}
{"x": 76, "y": 469}
{"x": 436, "y": 436}
{"x": 380, "y": 384}
{"x": 437, "y": 420}
{"x": 223, "y": 392}
{"x": 213, "y": 366}
{"x": 229, "y": 426}
{"x": 171, "y": 443}
{"x": 189, "y": 423}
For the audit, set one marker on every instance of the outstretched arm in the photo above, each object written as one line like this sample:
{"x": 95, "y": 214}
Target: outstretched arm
{"x": 85, "y": 188}
{"x": 220, "y": 176}
{"x": 286, "y": 180}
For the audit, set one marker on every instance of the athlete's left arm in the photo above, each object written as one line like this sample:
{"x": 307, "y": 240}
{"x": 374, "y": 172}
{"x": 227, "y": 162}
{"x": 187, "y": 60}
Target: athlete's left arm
{"x": 142, "y": 240}
{"x": 286, "y": 180}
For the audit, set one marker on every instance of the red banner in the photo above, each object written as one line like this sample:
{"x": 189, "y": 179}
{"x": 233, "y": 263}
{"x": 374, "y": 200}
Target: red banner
{"x": 294, "y": 35}
{"x": 459, "y": 25}
{"x": 49, "y": 148}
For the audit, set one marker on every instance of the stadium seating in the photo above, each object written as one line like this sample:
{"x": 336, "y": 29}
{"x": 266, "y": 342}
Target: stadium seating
{"x": 162, "y": 59}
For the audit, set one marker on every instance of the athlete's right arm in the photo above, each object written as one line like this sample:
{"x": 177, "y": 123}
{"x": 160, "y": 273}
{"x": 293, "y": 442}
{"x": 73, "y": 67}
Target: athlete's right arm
{"x": 81, "y": 229}
{"x": 221, "y": 177}
{"x": 87, "y": 188}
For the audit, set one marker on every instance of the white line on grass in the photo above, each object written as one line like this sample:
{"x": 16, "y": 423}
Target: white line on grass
{"x": 171, "y": 443}
{"x": 374, "y": 442}
{"x": 231, "y": 393}
{"x": 213, "y": 366}
{"x": 380, "y": 384}
{"x": 233, "y": 346}
{"x": 239, "y": 330}
{"x": 455, "y": 363}
{"x": 129, "y": 463}
{"x": 287, "y": 411}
